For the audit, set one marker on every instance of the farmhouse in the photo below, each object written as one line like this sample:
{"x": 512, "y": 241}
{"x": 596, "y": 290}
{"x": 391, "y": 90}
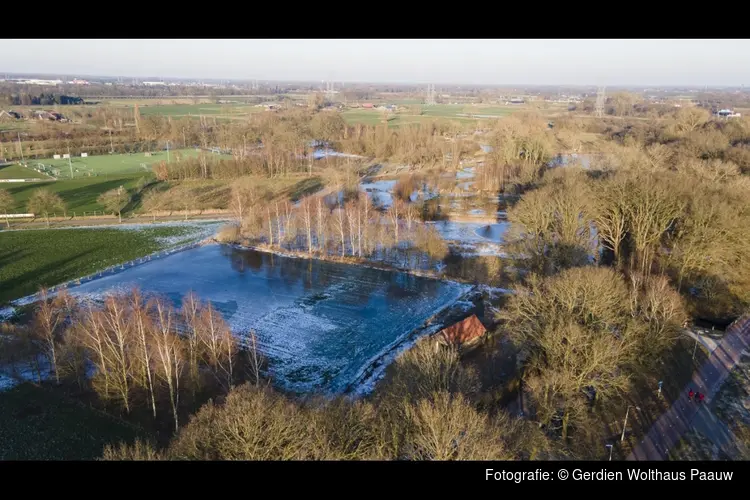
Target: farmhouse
{"x": 464, "y": 332}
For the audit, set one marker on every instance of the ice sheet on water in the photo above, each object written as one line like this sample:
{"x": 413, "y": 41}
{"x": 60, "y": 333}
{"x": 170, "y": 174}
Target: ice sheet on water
{"x": 380, "y": 191}
{"x": 321, "y": 324}
{"x": 466, "y": 173}
{"x": 471, "y": 232}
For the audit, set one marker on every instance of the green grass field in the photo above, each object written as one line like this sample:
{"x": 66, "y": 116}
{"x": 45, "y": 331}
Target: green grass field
{"x": 199, "y": 109}
{"x": 375, "y": 117}
{"x": 113, "y": 164}
{"x": 40, "y": 423}
{"x": 457, "y": 112}
{"x": 80, "y": 194}
{"x": 48, "y": 257}
{"x": 15, "y": 171}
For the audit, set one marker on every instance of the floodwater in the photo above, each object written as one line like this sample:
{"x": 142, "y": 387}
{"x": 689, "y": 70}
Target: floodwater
{"x": 320, "y": 324}
{"x": 574, "y": 159}
{"x": 471, "y": 232}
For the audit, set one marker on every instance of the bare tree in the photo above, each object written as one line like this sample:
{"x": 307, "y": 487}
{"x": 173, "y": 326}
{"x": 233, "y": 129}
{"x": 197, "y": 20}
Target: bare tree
{"x": 307, "y": 218}
{"x": 394, "y": 213}
{"x": 89, "y": 332}
{"x": 321, "y": 219}
{"x": 117, "y": 346}
{"x": 43, "y": 201}
{"x": 270, "y": 225}
{"x": 351, "y": 217}
{"x": 256, "y": 359}
{"x": 340, "y": 221}
{"x": 142, "y": 327}
{"x": 48, "y": 324}
{"x": 410, "y": 213}
{"x": 217, "y": 344}
{"x": 168, "y": 349}
{"x": 191, "y": 306}
{"x": 611, "y": 216}
{"x": 6, "y": 204}
{"x": 115, "y": 200}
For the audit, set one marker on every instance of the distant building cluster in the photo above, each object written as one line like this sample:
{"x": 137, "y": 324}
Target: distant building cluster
{"x": 49, "y": 83}
{"x": 35, "y": 81}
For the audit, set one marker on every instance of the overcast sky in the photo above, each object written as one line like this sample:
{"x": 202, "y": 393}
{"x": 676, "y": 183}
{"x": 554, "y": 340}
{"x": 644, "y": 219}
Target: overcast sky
{"x": 585, "y": 62}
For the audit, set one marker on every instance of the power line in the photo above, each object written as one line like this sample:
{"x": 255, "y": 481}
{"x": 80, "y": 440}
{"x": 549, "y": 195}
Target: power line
{"x": 430, "y": 99}
{"x": 600, "y": 100}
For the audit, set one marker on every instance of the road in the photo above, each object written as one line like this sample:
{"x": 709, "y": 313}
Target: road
{"x": 666, "y": 432}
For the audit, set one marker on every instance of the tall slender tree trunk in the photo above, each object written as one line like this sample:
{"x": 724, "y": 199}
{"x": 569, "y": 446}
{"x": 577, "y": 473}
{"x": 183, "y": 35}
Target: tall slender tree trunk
{"x": 270, "y": 226}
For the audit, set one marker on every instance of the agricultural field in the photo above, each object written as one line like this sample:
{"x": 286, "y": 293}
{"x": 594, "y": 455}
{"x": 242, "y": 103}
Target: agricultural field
{"x": 102, "y": 165}
{"x": 48, "y": 257}
{"x": 458, "y": 112}
{"x": 40, "y": 423}
{"x": 217, "y": 110}
{"x": 375, "y": 117}
{"x": 15, "y": 171}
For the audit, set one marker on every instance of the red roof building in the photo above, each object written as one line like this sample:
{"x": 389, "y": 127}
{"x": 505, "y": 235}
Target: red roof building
{"x": 463, "y": 332}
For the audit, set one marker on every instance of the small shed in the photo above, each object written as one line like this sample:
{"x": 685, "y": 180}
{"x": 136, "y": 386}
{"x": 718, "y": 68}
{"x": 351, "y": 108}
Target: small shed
{"x": 463, "y": 332}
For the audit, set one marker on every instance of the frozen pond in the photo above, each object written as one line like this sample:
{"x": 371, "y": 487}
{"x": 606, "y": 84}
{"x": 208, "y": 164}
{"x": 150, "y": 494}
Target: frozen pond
{"x": 563, "y": 160}
{"x": 380, "y": 191}
{"x": 471, "y": 232}
{"x": 474, "y": 238}
{"x": 321, "y": 324}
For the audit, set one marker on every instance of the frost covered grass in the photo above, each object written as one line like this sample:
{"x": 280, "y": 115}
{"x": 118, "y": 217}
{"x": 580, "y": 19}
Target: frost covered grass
{"x": 33, "y": 258}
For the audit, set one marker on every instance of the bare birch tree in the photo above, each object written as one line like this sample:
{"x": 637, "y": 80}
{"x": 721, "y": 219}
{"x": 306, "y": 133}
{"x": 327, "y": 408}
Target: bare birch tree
{"x": 168, "y": 350}
{"x": 48, "y": 324}
{"x": 140, "y": 320}
{"x": 340, "y": 221}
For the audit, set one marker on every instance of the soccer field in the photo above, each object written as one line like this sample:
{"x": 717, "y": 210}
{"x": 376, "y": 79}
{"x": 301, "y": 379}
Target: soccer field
{"x": 109, "y": 164}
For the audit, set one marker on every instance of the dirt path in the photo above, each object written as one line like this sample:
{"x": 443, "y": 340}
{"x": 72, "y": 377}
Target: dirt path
{"x": 666, "y": 432}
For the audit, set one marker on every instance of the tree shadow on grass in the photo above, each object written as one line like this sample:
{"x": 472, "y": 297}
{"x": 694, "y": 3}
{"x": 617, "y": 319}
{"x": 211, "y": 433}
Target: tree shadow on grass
{"x": 30, "y": 281}
{"x": 303, "y": 188}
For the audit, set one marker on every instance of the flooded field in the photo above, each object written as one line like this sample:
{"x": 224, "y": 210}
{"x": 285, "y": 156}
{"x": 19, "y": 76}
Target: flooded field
{"x": 321, "y": 324}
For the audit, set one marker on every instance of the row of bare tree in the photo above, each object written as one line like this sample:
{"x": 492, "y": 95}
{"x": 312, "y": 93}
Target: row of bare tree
{"x": 319, "y": 225}
{"x": 138, "y": 351}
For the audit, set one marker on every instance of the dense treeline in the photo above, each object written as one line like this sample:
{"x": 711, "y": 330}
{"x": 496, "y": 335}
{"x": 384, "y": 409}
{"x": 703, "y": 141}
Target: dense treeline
{"x": 586, "y": 333}
{"x": 666, "y": 198}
